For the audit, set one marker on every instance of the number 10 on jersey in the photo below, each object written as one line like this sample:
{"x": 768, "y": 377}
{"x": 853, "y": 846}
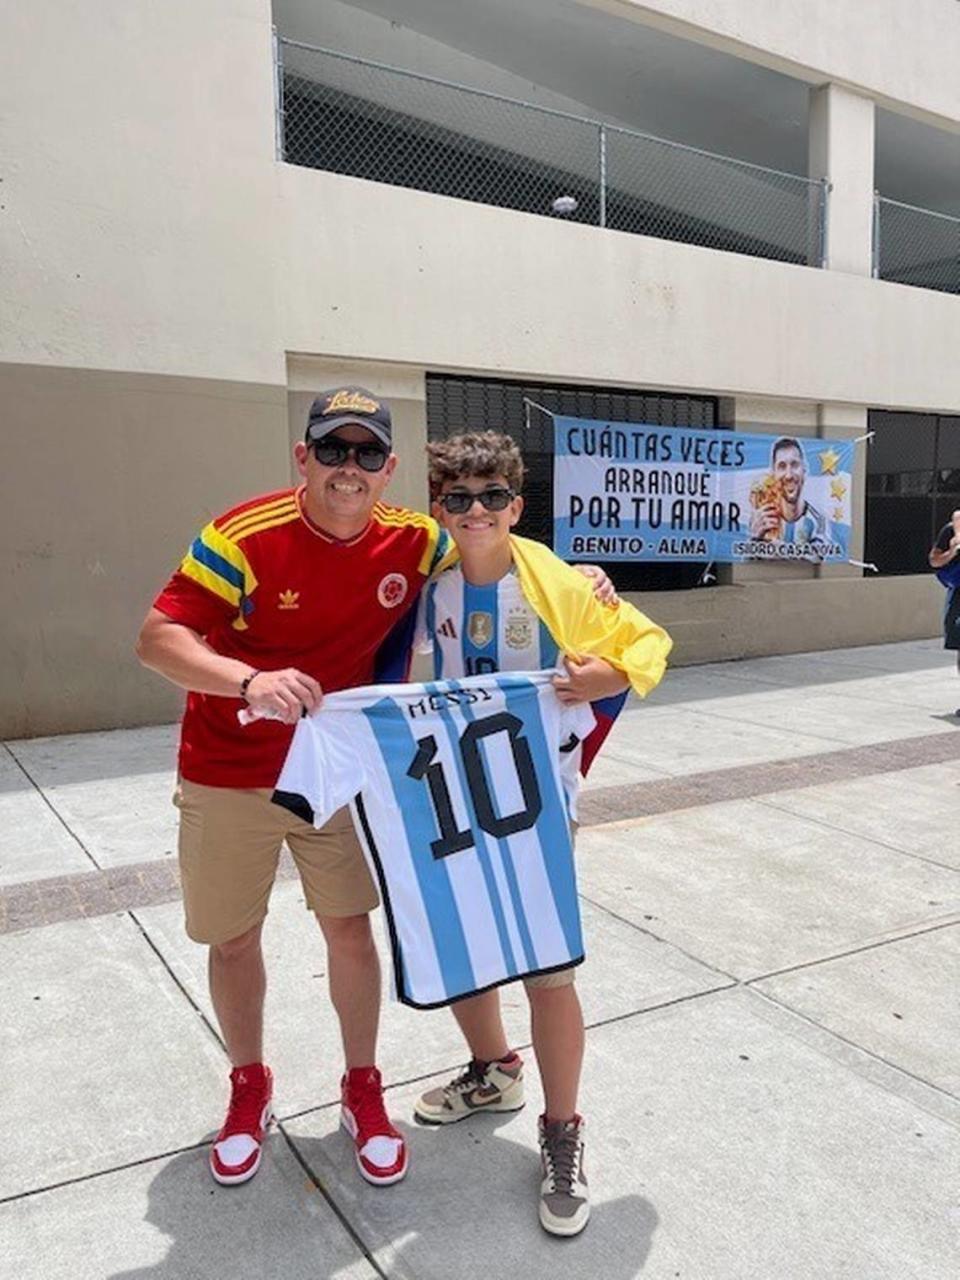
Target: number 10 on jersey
{"x": 476, "y": 736}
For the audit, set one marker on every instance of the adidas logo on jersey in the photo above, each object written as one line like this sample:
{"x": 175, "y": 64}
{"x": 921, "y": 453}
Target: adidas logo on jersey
{"x": 447, "y": 629}
{"x": 289, "y": 599}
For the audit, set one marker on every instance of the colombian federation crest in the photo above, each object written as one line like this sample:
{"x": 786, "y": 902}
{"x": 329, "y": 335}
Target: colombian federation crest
{"x": 480, "y": 629}
{"x": 392, "y": 590}
{"x": 518, "y": 633}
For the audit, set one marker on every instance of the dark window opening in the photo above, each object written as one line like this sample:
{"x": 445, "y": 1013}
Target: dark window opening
{"x": 456, "y": 404}
{"x": 913, "y": 487}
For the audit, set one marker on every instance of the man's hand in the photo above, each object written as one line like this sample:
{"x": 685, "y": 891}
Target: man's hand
{"x": 765, "y": 519}
{"x": 588, "y": 679}
{"x": 284, "y": 695}
{"x": 603, "y": 588}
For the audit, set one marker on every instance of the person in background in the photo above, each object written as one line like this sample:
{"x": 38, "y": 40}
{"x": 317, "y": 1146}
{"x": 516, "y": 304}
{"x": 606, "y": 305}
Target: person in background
{"x": 944, "y": 557}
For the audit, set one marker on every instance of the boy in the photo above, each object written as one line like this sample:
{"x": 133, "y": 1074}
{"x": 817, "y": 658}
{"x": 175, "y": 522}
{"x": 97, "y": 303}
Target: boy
{"x": 509, "y": 604}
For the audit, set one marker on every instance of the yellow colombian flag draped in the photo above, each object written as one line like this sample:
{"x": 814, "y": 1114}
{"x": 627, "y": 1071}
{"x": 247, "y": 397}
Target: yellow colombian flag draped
{"x": 564, "y": 601}
{"x": 580, "y": 624}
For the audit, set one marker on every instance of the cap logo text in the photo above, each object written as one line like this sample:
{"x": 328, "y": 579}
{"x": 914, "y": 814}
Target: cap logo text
{"x": 351, "y": 402}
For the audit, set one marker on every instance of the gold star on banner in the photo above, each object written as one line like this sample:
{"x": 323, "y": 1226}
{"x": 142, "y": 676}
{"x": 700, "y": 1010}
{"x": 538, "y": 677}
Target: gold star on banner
{"x": 828, "y": 462}
{"x": 837, "y": 489}
{"x": 838, "y": 515}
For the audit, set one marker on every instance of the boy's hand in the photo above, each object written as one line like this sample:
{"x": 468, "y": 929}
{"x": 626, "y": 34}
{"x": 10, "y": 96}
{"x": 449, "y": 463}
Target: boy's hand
{"x": 603, "y": 588}
{"x": 588, "y": 679}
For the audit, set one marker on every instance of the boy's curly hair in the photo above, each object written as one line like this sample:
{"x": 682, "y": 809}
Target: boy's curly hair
{"x": 479, "y": 455}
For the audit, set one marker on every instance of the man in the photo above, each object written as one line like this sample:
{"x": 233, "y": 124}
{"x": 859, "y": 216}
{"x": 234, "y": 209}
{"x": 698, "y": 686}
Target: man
{"x": 943, "y": 558}
{"x": 276, "y": 600}
{"x": 784, "y": 515}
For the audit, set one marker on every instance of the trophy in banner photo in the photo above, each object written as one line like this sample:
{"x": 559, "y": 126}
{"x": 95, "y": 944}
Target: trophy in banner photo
{"x": 768, "y": 492}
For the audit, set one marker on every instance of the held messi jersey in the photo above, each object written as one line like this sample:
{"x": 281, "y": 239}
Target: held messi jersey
{"x": 263, "y": 584}
{"x": 459, "y": 803}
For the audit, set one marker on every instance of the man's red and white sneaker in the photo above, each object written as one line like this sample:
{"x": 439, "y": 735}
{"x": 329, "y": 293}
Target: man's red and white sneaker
{"x": 235, "y": 1154}
{"x": 381, "y": 1150}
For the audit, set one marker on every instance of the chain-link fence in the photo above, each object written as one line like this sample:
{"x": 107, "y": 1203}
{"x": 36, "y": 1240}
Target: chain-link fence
{"x": 916, "y": 246}
{"x": 351, "y": 116}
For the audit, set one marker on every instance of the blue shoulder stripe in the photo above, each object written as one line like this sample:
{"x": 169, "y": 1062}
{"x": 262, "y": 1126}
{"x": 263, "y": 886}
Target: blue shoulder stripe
{"x": 216, "y": 563}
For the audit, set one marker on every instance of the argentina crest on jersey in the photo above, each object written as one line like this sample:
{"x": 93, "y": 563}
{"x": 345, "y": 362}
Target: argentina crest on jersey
{"x": 459, "y": 802}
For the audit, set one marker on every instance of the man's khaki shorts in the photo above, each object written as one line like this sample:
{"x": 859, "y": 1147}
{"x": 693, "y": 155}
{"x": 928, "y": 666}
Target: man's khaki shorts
{"x": 229, "y": 848}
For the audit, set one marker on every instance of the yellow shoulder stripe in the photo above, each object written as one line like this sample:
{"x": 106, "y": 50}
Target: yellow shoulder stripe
{"x": 267, "y": 521}
{"x": 256, "y": 513}
{"x": 400, "y": 516}
{"x": 426, "y": 560}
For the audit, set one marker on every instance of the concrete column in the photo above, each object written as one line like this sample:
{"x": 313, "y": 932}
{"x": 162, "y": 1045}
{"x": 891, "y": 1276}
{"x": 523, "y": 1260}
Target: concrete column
{"x": 846, "y": 422}
{"x": 841, "y": 149}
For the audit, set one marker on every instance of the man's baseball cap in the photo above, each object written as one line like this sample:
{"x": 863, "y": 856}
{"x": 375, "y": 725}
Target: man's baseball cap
{"x": 337, "y": 407}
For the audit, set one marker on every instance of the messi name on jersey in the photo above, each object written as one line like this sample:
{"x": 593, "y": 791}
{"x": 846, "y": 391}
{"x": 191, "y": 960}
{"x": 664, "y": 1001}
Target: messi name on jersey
{"x": 459, "y": 801}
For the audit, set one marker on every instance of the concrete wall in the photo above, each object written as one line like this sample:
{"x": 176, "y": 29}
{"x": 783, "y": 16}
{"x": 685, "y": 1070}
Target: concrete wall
{"x": 403, "y": 275}
{"x": 138, "y": 188}
{"x": 104, "y": 480}
{"x": 173, "y": 297}
{"x": 758, "y": 619}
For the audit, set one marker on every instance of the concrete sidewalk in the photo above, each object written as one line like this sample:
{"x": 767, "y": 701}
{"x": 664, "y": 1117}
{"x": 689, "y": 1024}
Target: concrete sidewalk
{"x": 771, "y": 891}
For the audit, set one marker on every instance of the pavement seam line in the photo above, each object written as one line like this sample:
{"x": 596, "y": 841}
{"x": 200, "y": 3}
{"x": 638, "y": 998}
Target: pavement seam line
{"x": 103, "y": 1173}
{"x": 588, "y": 1026}
{"x": 43, "y": 796}
{"x": 656, "y": 937}
{"x": 334, "y": 1207}
{"x": 845, "y": 831}
{"x": 893, "y": 1067}
{"x": 838, "y": 688}
{"x": 180, "y": 986}
{"x": 875, "y": 945}
{"x": 820, "y": 737}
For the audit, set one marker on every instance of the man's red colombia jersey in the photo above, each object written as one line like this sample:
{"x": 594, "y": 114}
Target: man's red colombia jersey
{"x": 263, "y": 584}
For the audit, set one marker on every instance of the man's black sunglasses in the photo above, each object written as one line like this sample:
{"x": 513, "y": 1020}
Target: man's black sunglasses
{"x": 495, "y": 499}
{"x": 333, "y": 452}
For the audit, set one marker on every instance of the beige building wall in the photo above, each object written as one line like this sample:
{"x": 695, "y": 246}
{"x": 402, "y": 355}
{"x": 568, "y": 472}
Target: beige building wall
{"x": 903, "y": 55}
{"x": 757, "y": 619}
{"x": 173, "y": 297}
{"x": 105, "y": 478}
{"x": 401, "y": 275}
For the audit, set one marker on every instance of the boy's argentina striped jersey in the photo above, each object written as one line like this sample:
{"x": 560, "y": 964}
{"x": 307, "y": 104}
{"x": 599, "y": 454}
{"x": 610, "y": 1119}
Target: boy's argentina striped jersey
{"x": 459, "y": 802}
{"x": 478, "y": 630}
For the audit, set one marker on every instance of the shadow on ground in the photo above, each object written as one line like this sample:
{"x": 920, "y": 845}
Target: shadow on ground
{"x": 444, "y": 1221}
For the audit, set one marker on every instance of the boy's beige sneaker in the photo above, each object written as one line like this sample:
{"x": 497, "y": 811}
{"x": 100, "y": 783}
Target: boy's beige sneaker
{"x": 482, "y": 1086}
{"x": 564, "y": 1194}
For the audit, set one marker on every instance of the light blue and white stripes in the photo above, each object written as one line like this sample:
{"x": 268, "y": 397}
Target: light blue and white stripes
{"x": 506, "y": 904}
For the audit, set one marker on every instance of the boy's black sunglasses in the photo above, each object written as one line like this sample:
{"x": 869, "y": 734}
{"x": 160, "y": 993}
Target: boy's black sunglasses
{"x": 493, "y": 499}
{"x": 333, "y": 452}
